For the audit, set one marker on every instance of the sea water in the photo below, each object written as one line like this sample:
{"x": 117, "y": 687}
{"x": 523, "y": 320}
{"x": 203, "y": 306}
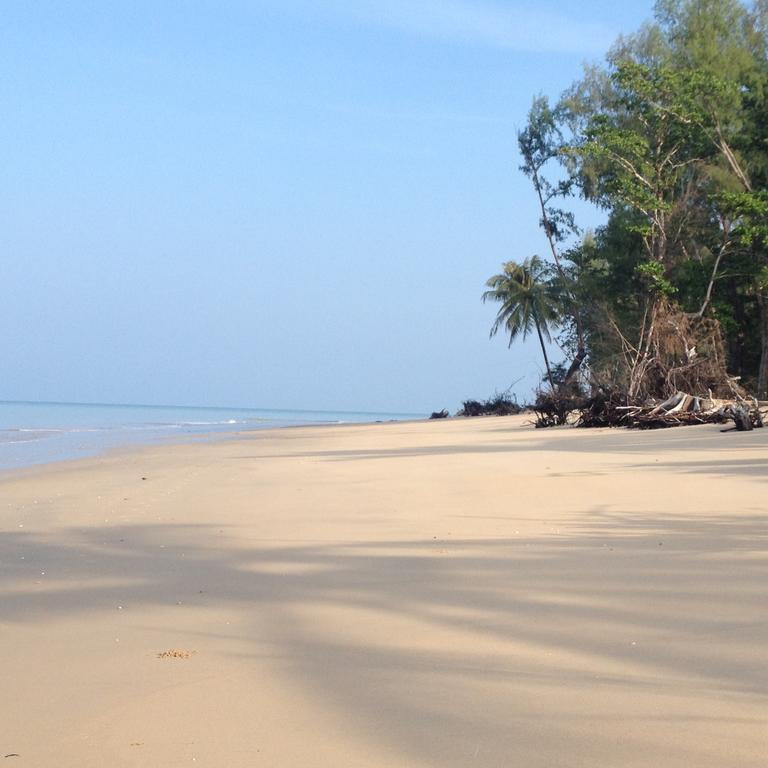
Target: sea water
{"x": 36, "y": 433}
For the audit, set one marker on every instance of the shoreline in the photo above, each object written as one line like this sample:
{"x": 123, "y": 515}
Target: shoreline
{"x": 171, "y": 442}
{"x": 90, "y": 440}
{"x": 431, "y": 593}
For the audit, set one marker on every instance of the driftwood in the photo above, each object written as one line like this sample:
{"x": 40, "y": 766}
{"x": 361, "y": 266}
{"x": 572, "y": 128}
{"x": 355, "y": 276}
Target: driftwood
{"x": 745, "y": 419}
{"x": 678, "y": 410}
{"x": 649, "y": 385}
{"x": 439, "y": 414}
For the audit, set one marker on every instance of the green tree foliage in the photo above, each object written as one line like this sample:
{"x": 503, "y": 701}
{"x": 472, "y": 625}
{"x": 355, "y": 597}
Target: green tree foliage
{"x": 669, "y": 138}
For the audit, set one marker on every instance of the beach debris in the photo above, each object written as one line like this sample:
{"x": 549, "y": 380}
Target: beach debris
{"x": 439, "y": 414}
{"x": 175, "y": 653}
{"x": 680, "y": 409}
{"x": 497, "y": 405}
{"x": 553, "y": 409}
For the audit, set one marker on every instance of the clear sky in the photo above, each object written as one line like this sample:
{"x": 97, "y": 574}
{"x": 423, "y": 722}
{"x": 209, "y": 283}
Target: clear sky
{"x": 282, "y": 203}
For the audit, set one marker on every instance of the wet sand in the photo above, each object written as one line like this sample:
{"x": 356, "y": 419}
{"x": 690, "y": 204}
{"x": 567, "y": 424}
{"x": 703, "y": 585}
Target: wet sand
{"x": 452, "y": 593}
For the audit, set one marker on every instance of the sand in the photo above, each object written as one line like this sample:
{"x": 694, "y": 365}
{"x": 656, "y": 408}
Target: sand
{"x": 453, "y": 593}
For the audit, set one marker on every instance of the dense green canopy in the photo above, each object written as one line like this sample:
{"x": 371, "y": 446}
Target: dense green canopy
{"x": 670, "y": 138}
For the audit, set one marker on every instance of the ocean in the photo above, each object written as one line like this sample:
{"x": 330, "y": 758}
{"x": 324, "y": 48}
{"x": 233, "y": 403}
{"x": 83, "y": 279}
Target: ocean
{"x": 37, "y": 433}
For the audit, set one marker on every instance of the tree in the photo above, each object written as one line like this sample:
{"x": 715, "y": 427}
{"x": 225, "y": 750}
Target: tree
{"x": 540, "y": 143}
{"x": 527, "y": 302}
{"x": 669, "y": 139}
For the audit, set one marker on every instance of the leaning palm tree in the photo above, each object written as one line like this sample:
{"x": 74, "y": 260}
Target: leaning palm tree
{"x": 527, "y": 302}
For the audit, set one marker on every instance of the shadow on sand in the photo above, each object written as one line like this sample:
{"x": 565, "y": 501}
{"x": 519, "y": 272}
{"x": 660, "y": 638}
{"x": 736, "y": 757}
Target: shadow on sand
{"x": 651, "y": 451}
{"x": 454, "y": 651}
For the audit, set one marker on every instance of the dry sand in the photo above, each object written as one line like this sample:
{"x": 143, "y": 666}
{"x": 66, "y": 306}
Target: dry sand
{"x": 458, "y": 593}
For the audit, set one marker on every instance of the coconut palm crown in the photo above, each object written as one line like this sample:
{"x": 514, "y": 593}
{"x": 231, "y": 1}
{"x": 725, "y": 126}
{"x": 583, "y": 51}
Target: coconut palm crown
{"x": 527, "y": 302}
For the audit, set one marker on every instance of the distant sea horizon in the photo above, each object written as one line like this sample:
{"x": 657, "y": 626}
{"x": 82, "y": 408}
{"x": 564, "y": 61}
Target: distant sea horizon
{"x": 39, "y": 432}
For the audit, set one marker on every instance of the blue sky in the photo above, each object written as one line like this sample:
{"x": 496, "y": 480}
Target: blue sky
{"x": 272, "y": 204}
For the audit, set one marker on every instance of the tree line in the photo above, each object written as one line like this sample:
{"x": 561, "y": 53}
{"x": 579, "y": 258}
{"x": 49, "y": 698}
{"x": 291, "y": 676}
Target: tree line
{"x": 670, "y": 138}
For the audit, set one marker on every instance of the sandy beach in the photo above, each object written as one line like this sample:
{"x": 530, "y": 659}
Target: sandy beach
{"x": 452, "y": 593}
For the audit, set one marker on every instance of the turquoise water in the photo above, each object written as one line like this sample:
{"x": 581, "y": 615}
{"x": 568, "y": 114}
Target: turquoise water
{"x": 36, "y": 433}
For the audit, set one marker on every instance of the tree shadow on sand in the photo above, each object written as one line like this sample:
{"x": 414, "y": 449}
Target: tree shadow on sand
{"x": 458, "y": 652}
{"x": 653, "y": 450}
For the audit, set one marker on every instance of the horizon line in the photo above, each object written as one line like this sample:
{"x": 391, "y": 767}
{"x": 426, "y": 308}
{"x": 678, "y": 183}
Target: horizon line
{"x": 209, "y": 407}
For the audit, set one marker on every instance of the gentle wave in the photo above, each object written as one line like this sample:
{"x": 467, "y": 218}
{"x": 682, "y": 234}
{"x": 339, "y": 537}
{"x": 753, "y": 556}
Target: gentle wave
{"x": 16, "y": 437}
{"x": 212, "y": 423}
{"x": 22, "y": 429}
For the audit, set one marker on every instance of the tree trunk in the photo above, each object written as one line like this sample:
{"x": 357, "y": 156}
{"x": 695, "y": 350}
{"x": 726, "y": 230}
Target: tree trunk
{"x": 574, "y": 367}
{"x": 574, "y": 307}
{"x": 544, "y": 352}
{"x": 725, "y": 226}
{"x": 762, "y": 374}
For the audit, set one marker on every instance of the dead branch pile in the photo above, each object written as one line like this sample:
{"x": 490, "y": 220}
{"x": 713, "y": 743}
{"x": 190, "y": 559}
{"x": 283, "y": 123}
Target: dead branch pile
{"x": 552, "y": 408}
{"x": 605, "y": 409}
{"x": 498, "y": 405}
{"x": 678, "y": 410}
{"x": 678, "y": 351}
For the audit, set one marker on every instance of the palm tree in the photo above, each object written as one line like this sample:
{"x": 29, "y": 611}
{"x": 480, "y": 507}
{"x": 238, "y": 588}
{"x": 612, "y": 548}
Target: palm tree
{"x": 527, "y": 302}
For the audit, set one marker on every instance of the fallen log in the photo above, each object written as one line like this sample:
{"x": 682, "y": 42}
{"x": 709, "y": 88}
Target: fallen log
{"x": 741, "y": 418}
